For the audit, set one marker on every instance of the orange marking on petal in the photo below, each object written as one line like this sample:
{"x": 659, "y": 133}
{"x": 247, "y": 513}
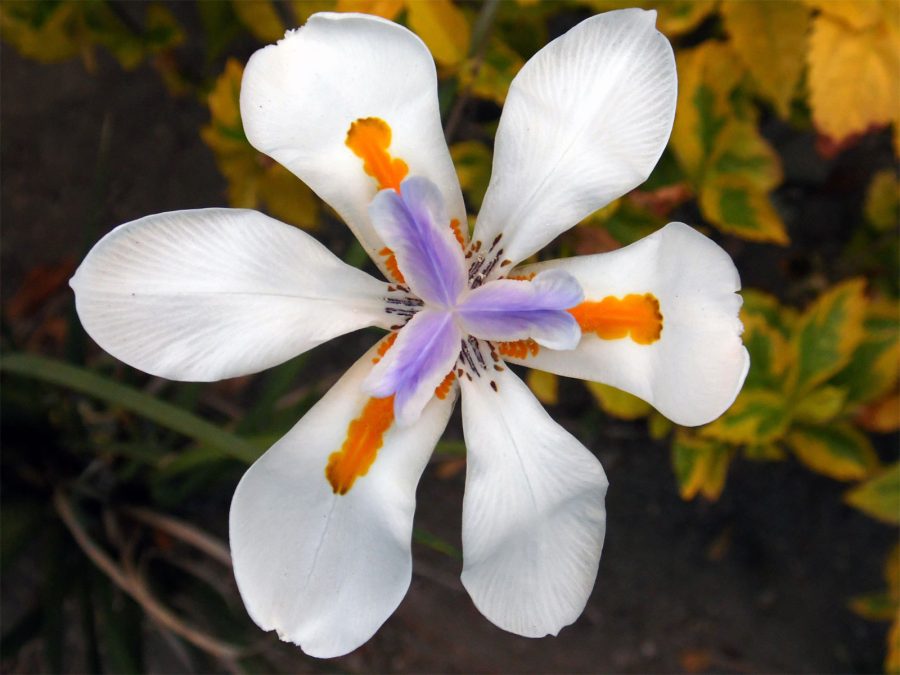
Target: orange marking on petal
{"x": 444, "y": 387}
{"x": 612, "y": 318}
{"x": 391, "y": 264}
{"x": 457, "y": 232}
{"x": 365, "y": 436}
{"x": 369, "y": 138}
{"x": 384, "y": 345}
{"x": 519, "y": 349}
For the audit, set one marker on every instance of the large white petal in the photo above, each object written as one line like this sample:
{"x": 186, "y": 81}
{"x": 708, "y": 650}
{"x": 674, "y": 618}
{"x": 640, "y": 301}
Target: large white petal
{"x": 214, "y": 293}
{"x": 300, "y": 96}
{"x": 533, "y": 513}
{"x": 321, "y": 569}
{"x": 693, "y": 373}
{"x": 586, "y": 120}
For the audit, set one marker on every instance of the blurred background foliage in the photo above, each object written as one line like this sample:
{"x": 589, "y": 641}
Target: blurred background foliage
{"x": 96, "y": 454}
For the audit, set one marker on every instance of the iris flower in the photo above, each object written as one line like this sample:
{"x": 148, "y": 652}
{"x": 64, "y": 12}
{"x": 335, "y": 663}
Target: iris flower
{"x": 320, "y": 525}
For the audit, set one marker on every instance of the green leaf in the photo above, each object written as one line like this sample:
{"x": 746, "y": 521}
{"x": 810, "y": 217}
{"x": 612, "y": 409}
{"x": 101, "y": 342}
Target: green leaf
{"x": 757, "y": 416}
{"x": 828, "y": 333}
{"x": 700, "y": 466}
{"x": 821, "y": 405}
{"x": 735, "y": 205}
{"x": 882, "y": 205}
{"x": 879, "y": 497}
{"x": 874, "y": 366}
{"x": 432, "y": 541}
{"x": 489, "y": 78}
{"x": 878, "y": 606}
{"x": 618, "y": 403}
{"x": 120, "y": 395}
{"x": 261, "y": 18}
{"x": 838, "y": 451}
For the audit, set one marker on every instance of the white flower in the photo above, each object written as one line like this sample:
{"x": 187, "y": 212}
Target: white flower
{"x": 321, "y": 524}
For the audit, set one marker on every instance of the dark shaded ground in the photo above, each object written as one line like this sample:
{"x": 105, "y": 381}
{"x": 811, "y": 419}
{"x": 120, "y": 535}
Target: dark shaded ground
{"x": 756, "y": 582}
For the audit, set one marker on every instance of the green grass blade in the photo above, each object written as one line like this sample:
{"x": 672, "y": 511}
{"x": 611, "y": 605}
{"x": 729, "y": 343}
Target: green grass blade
{"x": 117, "y": 394}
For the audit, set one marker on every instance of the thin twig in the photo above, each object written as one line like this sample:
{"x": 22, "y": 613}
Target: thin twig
{"x": 183, "y": 531}
{"x": 480, "y": 33}
{"x": 135, "y": 586}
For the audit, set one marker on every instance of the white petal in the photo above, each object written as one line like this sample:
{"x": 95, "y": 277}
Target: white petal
{"x": 533, "y": 513}
{"x": 321, "y": 569}
{"x": 585, "y": 121}
{"x": 693, "y": 373}
{"x": 300, "y": 96}
{"x": 214, "y": 293}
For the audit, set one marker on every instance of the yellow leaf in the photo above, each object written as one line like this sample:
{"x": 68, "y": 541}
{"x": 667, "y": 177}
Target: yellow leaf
{"x": 741, "y": 151}
{"x": 676, "y": 17}
{"x": 618, "y": 403}
{"x": 386, "y": 9}
{"x": 442, "y": 26}
{"x": 544, "y": 385}
{"x": 892, "y": 572}
{"x": 253, "y": 179}
{"x": 828, "y": 333}
{"x": 853, "y": 76}
{"x": 770, "y": 352}
{"x": 821, "y": 405}
{"x": 41, "y": 32}
{"x": 881, "y": 416}
{"x": 735, "y": 205}
{"x": 287, "y": 198}
{"x": 770, "y": 39}
{"x": 473, "y": 166}
{"x": 838, "y": 451}
{"x": 490, "y": 76}
{"x": 879, "y": 497}
{"x": 261, "y": 18}
{"x": 856, "y": 14}
{"x": 659, "y": 426}
{"x": 700, "y": 465}
{"x": 874, "y": 367}
{"x": 706, "y": 77}
{"x": 303, "y": 9}
{"x": 882, "y": 205}
{"x": 757, "y": 416}
{"x": 892, "y": 658}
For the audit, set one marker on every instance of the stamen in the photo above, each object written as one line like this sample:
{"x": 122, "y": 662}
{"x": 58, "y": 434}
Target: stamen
{"x": 457, "y": 232}
{"x": 365, "y": 436}
{"x": 519, "y": 349}
{"x": 369, "y": 138}
{"x": 612, "y": 318}
{"x": 391, "y": 264}
{"x": 444, "y": 387}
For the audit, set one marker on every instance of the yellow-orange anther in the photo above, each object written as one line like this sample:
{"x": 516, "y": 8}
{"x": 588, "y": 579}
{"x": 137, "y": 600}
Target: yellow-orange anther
{"x": 612, "y": 318}
{"x": 369, "y": 138}
{"x": 365, "y": 436}
{"x": 457, "y": 232}
{"x": 391, "y": 264}
{"x": 519, "y": 349}
{"x": 444, "y": 387}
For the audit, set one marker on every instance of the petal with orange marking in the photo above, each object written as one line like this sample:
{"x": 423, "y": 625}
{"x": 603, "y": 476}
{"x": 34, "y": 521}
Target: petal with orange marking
{"x": 695, "y": 369}
{"x": 324, "y": 569}
{"x": 300, "y": 97}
